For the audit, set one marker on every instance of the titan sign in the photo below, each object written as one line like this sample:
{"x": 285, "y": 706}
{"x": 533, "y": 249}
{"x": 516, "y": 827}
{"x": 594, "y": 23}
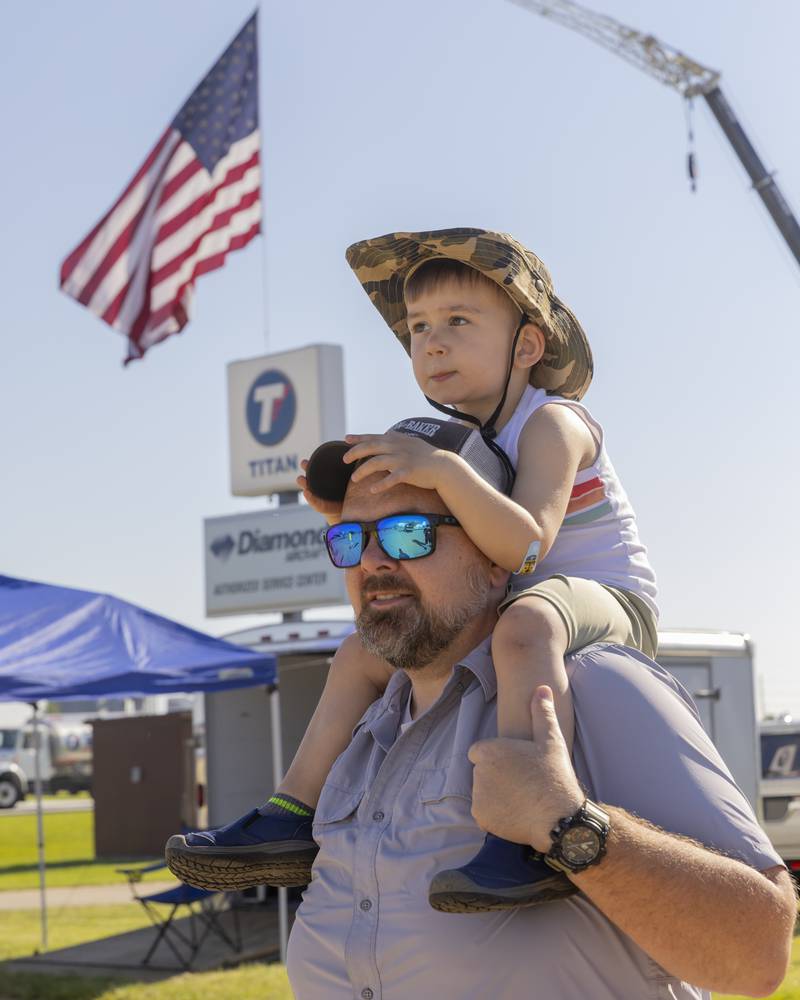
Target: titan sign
{"x": 280, "y": 407}
{"x": 269, "y": 561}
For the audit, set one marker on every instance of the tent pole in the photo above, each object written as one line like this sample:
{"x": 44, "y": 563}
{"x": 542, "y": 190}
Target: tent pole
{"x": 39, "y": 819}
{"x": 277, "y": 778}
{"x": 285, "y": 498}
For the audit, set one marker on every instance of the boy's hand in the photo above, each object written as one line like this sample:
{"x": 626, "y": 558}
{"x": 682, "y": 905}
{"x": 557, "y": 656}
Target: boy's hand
{"x": 331, "y": 510}
{"x": 403, "y": 458}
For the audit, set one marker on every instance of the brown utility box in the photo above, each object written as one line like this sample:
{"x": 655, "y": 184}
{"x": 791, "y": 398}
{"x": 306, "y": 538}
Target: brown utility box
{"x": 143, "y": 783}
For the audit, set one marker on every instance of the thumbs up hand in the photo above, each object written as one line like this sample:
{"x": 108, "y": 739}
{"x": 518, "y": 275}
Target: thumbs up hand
{"x": 521, "y": 789}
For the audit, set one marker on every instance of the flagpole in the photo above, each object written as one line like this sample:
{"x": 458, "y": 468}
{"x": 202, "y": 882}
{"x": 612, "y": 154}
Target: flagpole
{"x": 264, "y": 271}
{"x": 264, "y": 290}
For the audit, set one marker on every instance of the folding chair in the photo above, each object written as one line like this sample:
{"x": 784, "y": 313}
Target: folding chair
{"x": 203, "y": 916}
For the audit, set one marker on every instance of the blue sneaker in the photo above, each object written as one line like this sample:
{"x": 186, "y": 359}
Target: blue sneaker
{"x": 268, "y": 846}
{"x": 501, "y": 876}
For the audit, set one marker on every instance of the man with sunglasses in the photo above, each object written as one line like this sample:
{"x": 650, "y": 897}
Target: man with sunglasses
{"x": 707, "y": 903}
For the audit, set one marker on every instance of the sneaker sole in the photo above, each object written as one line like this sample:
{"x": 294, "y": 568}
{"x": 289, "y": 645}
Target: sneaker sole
{"x": 453, "y": 892}
{"x": 234, "y": 868}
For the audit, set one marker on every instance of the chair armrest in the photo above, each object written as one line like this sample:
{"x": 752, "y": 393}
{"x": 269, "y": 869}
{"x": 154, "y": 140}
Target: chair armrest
{"x": 135, "y": 874}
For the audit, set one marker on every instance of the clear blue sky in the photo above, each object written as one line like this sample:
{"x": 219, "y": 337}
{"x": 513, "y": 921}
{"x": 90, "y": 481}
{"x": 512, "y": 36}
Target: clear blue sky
{"x": 410, "y": 116}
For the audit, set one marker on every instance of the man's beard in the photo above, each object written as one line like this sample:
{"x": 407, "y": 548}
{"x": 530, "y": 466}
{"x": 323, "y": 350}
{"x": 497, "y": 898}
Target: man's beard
{"x": 410, "y": 637}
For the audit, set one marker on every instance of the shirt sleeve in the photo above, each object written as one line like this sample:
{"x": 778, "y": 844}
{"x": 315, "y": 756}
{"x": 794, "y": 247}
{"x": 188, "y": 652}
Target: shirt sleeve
{"x": 639, "y": 745}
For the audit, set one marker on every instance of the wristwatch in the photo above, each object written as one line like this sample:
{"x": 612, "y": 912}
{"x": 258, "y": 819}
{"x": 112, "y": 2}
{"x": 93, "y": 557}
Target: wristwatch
{"x": 579, "y": 841}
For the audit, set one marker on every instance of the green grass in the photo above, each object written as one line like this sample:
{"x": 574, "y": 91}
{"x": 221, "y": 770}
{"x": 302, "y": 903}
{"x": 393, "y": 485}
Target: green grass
{"x": 69, "y": 853}
{"x": 70, "y": 926}
{"x": 59, "y": 796}
{"x": 250, "y": 982}
{"x": 27, "y": 986}
{"x": 66, "y": 926}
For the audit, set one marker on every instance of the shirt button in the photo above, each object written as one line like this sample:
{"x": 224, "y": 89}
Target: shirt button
{"x": 367, "y": 993}
{"x": 378, "y": 816}
{"x": 365, "y": 905}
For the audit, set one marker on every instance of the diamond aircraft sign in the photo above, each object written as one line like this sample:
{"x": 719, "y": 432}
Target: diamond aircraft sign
{"x": 280, "y": 407}
{"x": 270, "y": 560}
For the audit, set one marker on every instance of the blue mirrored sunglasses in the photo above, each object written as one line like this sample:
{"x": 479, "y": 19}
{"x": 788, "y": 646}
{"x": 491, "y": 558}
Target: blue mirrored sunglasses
{"x": 401, "y": 536}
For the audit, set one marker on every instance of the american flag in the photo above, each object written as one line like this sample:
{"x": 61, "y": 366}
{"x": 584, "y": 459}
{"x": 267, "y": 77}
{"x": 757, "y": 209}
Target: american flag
{"x": 196, "y": 197}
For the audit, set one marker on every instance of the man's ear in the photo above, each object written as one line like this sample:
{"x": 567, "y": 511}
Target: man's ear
{"x": 530, "y": 346}
{"x": 498, "y": 576}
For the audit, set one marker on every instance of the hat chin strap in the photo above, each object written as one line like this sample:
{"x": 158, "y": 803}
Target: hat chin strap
{"x": 488, "y": 430}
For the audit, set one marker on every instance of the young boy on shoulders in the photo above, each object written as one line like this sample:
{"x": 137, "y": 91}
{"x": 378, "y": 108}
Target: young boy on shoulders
{"x": 493, "y": 346}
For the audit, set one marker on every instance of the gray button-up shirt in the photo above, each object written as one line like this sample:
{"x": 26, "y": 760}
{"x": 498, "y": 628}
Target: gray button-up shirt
{"x": 396, "y": 809}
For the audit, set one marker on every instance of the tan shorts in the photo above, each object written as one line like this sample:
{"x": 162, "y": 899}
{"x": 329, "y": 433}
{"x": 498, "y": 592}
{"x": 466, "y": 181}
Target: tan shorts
{"x": 594, "y": 612}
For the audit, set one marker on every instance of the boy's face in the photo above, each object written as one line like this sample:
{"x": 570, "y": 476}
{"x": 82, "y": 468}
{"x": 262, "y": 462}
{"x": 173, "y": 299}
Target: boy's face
{"x": 461, "y": 335}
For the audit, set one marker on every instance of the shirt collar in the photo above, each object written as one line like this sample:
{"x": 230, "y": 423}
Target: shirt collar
{"x": 385, "y": 725}
{"x": 478, "y": 662}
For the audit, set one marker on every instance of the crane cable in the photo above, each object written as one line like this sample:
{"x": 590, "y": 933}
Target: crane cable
{"x": 691, "y": 158}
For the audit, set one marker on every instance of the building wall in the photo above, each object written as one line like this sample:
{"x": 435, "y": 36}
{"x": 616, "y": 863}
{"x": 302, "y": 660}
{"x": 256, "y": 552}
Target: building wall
{"x": 239, "y": 736}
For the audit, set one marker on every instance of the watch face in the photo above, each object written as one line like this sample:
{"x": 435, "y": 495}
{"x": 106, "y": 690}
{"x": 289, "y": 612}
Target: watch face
{"x": 579, "y": 845}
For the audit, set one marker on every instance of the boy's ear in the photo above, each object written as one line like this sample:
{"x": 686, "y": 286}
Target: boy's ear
{"x": 530, "y": 346}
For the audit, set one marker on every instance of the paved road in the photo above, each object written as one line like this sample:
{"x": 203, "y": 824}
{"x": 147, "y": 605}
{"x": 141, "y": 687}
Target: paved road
{"x": 84, "y": 895}
{"x": 62, "y": 803}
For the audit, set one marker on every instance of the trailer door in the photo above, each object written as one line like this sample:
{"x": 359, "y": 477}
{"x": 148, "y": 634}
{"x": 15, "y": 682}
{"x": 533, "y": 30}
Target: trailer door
{"x": 695, "y": 676}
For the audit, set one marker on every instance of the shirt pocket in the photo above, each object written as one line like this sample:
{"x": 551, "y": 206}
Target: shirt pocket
{"x": 334, "y": 830}
{"x": 336, "y": 805}
{"x": 453, "y": 780}
{"x": 445, "y": 807}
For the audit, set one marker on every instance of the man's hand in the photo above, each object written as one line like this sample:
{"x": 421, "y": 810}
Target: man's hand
{"x": 404, "y": 459}
{"x": 520, "y": 790}
{"x": 331, "y": 510}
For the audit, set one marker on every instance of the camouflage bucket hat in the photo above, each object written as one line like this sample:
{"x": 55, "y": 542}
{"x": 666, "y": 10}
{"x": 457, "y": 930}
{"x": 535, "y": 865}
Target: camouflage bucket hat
{"x": 383, "y": 265}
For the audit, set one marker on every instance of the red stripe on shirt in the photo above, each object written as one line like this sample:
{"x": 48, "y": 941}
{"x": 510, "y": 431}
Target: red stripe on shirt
{"x": 587, "y": 500}
{"x": 580, "y": 488}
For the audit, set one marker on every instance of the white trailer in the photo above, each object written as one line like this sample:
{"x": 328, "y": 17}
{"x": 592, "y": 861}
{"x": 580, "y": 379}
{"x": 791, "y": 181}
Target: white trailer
{"x": 717, "y": 670}
{"x": 250, "y": 730}
{"x": 243, "y": 744}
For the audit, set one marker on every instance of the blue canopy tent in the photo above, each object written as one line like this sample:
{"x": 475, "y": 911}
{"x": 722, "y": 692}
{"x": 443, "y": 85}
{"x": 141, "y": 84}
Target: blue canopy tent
{"x": 60, "y": 643}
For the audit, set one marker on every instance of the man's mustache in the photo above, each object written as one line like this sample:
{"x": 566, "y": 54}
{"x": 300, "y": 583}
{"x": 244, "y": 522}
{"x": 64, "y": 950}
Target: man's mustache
{"x": 387, "y": 582}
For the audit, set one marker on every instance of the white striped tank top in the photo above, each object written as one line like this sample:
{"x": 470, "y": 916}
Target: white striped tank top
{"x": 598, "y": 538}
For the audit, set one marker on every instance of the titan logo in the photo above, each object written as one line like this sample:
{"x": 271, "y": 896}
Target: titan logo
{"x": 271, "y": 407}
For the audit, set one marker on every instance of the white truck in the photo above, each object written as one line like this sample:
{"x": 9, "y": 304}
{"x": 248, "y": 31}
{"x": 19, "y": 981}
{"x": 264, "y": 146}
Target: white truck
{"x": 715, "y": 667}
{"x": 65, "y": 758}
{"x": 780, "y": 787}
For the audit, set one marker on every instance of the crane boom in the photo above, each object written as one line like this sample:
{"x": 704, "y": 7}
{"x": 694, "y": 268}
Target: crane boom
{"x": 686, "y": 76}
